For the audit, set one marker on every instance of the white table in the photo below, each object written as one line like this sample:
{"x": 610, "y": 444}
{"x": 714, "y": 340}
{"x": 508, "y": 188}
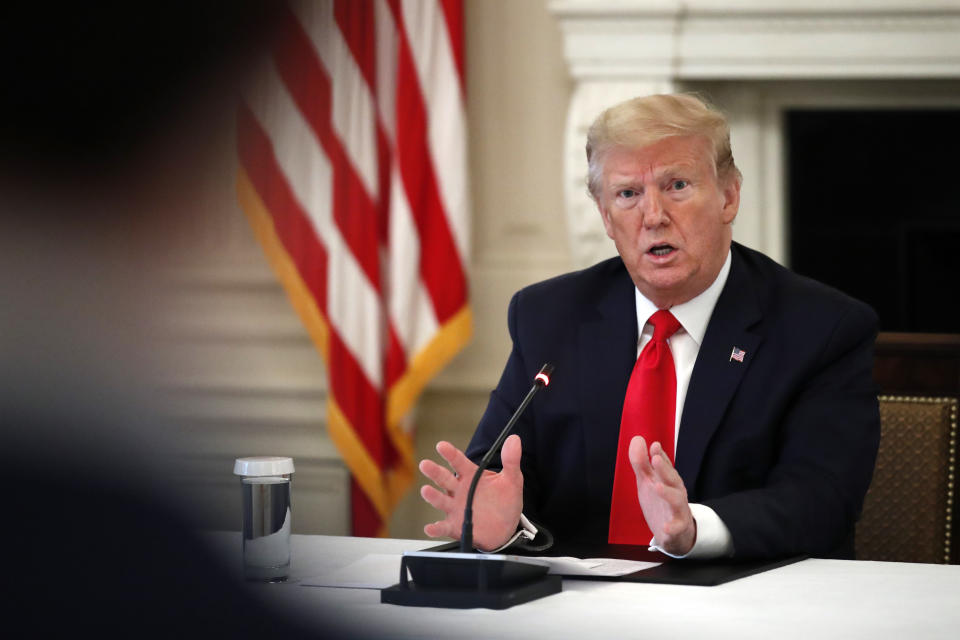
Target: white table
{"x": 808, "y": 599}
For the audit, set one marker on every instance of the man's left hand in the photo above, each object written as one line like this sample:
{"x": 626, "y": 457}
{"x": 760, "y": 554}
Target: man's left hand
{"x": 663, "y": 498}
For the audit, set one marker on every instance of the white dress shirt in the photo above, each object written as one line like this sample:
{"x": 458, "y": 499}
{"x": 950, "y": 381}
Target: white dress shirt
{"x": 713, "y": 537}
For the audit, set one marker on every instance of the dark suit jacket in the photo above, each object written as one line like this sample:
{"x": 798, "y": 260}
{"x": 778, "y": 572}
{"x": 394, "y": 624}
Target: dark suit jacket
{"x": 781, "y": 446}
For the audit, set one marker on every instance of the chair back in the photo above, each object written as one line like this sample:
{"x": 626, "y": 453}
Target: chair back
{"x": 909, "y": 508}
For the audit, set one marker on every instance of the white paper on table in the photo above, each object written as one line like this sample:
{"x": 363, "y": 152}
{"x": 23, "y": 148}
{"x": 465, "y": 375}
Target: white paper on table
{"x": 600, "y": 567}
{"x": 373, "y": 571}
{"x": 382, "y": 570}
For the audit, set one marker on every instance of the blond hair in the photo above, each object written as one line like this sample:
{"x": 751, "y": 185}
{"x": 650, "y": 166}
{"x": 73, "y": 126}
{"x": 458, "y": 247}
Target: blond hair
{"x": 640, "y": 122}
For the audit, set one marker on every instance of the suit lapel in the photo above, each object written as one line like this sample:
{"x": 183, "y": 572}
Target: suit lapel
{"x": 607, "y": 344}
{"x": 716, "y": 374}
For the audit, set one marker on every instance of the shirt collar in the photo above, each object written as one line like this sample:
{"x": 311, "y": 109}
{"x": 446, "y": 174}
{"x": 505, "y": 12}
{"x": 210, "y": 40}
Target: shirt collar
{"x": 694, "y": 314}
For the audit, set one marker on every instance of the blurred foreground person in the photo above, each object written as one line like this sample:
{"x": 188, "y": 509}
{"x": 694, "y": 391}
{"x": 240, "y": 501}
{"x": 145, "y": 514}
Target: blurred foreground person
{"x": 107, "y": 120}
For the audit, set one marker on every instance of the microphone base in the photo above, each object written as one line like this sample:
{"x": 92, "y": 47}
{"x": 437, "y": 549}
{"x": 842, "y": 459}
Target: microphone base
{"x": 469, "y": 580}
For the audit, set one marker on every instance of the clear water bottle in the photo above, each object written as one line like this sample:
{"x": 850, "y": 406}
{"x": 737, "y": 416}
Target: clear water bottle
{"x": 265, "y": 488}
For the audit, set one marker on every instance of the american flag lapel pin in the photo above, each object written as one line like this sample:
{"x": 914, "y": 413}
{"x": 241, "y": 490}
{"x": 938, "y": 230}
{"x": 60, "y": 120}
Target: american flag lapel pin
{"x": 737, "y": 354}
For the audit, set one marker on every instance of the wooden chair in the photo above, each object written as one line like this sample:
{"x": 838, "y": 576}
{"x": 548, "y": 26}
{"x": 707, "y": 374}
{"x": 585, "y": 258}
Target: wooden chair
{"x": 909, "y": 510}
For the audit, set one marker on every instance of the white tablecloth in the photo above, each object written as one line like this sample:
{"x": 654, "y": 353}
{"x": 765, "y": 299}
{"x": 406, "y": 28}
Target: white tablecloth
{"x": 808, "y": 599}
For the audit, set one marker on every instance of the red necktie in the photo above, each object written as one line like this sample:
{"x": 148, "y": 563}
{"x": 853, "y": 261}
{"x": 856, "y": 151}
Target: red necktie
{"x": 649, "y": 410}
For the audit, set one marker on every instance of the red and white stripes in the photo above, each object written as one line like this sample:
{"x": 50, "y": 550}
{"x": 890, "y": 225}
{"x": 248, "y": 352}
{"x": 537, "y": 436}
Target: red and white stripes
{"x": 352, "y": 145}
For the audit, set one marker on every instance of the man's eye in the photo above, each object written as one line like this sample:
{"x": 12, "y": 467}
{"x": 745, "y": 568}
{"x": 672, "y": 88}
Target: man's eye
{"x": 680, "y": 184}
{"x": 626, "y": 193}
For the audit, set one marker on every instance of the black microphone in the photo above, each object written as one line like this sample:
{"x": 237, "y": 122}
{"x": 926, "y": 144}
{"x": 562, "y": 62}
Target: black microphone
{"x": 458, "y": 578}
{"x": 541, "y": 380}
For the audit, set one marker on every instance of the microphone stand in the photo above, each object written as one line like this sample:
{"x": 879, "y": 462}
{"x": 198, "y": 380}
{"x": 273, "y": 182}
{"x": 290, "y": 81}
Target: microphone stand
{"x": 466, "y": 536}
{"x": 464, "y": 579}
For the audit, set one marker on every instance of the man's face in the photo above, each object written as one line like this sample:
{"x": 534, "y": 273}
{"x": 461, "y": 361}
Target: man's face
{"x": 669, "y": 216}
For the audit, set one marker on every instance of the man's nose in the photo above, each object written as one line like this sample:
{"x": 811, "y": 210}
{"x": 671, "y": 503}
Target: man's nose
{"x": 652, "y": 209}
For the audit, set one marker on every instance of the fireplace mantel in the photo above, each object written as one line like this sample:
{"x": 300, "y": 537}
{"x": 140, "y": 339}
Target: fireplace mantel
{"x": 610, "y": 40}
{"x": 616, "y": 49}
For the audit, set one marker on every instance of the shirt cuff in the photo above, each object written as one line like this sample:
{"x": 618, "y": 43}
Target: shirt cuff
{"x": 525, "y": 530}
{"x": 713, "y": 537}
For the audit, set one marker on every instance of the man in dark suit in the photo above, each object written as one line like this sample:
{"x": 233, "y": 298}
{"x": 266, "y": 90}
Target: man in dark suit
{"x": 776, "y": 421}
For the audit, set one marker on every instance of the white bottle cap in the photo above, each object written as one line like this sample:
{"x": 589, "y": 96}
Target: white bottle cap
{"x": 263, "y": 466}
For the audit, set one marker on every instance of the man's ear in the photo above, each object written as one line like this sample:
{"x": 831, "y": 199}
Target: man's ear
{"x": 731, "y": 199}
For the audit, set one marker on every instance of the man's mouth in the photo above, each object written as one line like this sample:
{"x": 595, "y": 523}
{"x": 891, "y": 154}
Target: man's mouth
{"x": 661, "y": 250}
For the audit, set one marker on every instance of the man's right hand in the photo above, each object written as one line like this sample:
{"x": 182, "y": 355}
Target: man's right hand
{"x": 496, "y": 506}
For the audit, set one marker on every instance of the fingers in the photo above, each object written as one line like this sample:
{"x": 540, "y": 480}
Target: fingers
{"x": 510, "y": 456}
{"x": 652, "y": 464}
{"x": 639, "y": 458}
{"x": 669, "y": 485}
{"x": 438, "y": 498}
{"x": 511, "y": 452}
{"x": 662, "y": 466}
{"x": 440, "y": 475}
{"x": 456, "y": 459}
{"x": 448, "y": 497}
{"x": 654, "y": 469}
{"x": 450, "y": 526}
{"x": 441, "y": 529}
{"x": 449, "y": 481}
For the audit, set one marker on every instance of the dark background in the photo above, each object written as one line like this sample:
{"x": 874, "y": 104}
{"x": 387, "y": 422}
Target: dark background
{"x": 875, "y": 211}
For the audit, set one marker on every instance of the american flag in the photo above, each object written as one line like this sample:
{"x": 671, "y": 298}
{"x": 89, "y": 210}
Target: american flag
{"x": 737, "y": 354}
{"x": 352, "y": 146}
